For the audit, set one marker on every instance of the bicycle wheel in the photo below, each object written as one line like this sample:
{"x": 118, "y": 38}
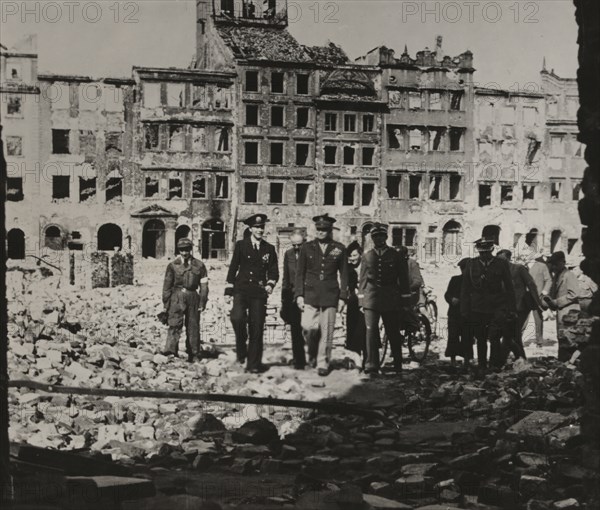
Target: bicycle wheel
{"x": 432, "y": 314}
{"x": 418, "y": 341}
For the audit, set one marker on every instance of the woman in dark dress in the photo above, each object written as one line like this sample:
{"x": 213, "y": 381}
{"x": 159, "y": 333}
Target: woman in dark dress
{"x": 458, "y": 342}
{"x": 356, "y": 330}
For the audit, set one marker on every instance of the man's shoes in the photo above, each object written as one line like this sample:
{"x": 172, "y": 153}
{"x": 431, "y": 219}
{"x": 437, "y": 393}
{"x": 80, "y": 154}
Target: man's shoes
{"x": 241, "y": 360}
{"x": 169, "y": 353}
{"x": 257, "y": 370}
{"x": 299, "y": 367}
{"x": 323, "y": 372}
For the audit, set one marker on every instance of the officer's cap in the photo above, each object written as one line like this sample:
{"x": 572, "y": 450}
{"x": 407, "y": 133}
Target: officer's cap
{"x": 484, "y": 244}
{"x": 256, "y": 220}
{"x": 379, "y": 229}
{"x": 324, "y": 221}
{"x": 184, "y": 243}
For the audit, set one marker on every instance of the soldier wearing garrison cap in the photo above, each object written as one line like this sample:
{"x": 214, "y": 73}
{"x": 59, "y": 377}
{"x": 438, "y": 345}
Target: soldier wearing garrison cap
{"x": 318, "y": 292}
{"x": 383, "y": 290}
{"x": 487, "y": 301}
{"x": 252, "y": 276}
{"x": 183, "y": 304}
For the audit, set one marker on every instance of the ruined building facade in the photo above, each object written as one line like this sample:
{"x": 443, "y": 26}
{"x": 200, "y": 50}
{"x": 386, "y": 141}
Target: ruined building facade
{"x": 260, "y": 122}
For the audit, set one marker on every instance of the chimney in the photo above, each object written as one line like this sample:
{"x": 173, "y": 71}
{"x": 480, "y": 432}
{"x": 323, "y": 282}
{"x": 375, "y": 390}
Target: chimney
{"x": 439, "y": 52}
{"x": 202, "y": 16}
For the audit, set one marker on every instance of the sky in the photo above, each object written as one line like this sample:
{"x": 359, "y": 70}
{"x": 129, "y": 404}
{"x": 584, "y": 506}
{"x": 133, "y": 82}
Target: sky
{"x": 508, "y": 38}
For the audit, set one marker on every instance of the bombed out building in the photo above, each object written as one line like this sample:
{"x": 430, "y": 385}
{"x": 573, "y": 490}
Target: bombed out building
{"x": 261, "y": 122}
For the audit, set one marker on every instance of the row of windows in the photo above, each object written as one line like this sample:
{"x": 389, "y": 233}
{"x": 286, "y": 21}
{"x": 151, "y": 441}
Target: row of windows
{"x": 529, "y": 192}
{"x": 173, "y": 187}
{"x": 184, "y": 95}
{"x": 181, "y": 137}
{"x": 426, "y": 100}
{"x": 303, "y": 155}
{"x": 402, "y": 186}
{"x": 348, "y": 122}
{"x": 279, "y": 83}
{"x": 62, "y": 142}
{"x": 425, "y": 138}
{"x": 61, "y": 189}
{"x": 277, "y": 117}
{"x": 491, "y": 113}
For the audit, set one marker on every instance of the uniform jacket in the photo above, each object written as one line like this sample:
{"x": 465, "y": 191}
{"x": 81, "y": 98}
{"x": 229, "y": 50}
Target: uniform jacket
{"x": 178, "y": 276}
{"x": 527, "y": 295}
{"x": 565, "y": 290}
{"x": 487, "y": 288}
{"x": 317, "y": 274}
{"x": 251, "y": 270}
{"x": 383, "y": 282}
{"x": 541, "y": 276}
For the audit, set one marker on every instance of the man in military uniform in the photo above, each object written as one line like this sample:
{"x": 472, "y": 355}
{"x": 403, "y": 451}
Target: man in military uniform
{"x": 182, "y": 302}
{"x": 290, "y": 312}
{"x": 252, "y": 276}
{"x": 318, "y": 293}
{"x": 487, "y": 302}
{"x": 383, "y": 290}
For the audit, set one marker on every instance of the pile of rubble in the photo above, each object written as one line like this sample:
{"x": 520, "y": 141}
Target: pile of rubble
{"x": 437, "y": 437}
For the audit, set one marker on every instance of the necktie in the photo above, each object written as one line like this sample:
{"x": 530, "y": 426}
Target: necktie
{"x": 185, "y": 263}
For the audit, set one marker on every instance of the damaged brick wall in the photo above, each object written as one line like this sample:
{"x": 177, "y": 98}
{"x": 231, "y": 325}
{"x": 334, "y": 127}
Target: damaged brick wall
{"x": 99, "y": 270}
{"x": 121, "y": 269}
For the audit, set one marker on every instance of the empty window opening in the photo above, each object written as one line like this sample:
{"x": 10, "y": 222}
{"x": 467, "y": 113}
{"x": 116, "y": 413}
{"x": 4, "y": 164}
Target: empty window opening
{"x": 276, "y": 193}
{"x": 251, "y": 192}
{"x": 14, "y": 106}
{"x": 577, "y": 195}
{"x": 455, "y": 183}
{"x": 175, "y": 188}
{"x": 302, "y": 83}
{"x": 302, "y": 190}
{"x": 199, "y": 188}
{"x": 221, "y": 186}
{"x": 60, "y": 141}
{"x": 252, "y": 81}
{"x": 276, "y": 153}
{"x": 110, "y": 236}
{"x": 302, "y": 115}
{"x": 87, "y": 145}
{"x": 222, "y": 139}
{"x": 152, "y": 136}
{"x": 349, "y": 155}
{"x": 532, "y": 148}
{"x": 87, "y": 189}
{"x": 330, "y": 122}
{"x": 557, "y": 146}
{"x": 368, "y": 123}
{"x": 349, "y": 122}
{"x": 251, "y": 153}
{"x": 404, "y": 236}
{"x": 414, "y": 100}
{"x": 528, "y": 192}
{"x": 53, "y": 238}
{"x": 14, "y": 146}
{"x": 113, "y": 141}
{"x": 152, "y": 93}
{"x": 456, "y": 100}
{"x": 199, "y": 96}
{"x": 368, "y": 190}
{"x": 367, "y": 156}
{"x": 15, "y": 239}
{"x": 330, "y": 154}
{"x": 60, "y": 187}
{"x": 435, "y": 139}
{"x": 396, "y": 138}
{"x": 414, "y": 186}
{"x": 277, "y": 116}
{"x": 198, "y": 139}
{"x": 14, "y": 189}
{"x": 485, "y": 195}
{"x": 152, "y": 187}
{"x": 221, "y": 98}
{"x": 435, "y": 184}
{"x": 555, "y": 241}
{"x": 176, "y": 95}
{"x": 435, "y": 101}
{"x": 348, "y": 190}
{"x": 555, "y": 188}
{"x": 251, "y": 115}
{"x": 302, "y": 154}
{"x": 506, "y": 193}
{"x": 571, "y": 244}
{"x": 393, "y": 182}
{"x": 415, "y": 139}
{"x": 329, "y": 193}
{"x": 114, "y": 188}
{"x": 277, "y": 83}
{"x": 176, "y": 138}
{"x": 456, "y": 139}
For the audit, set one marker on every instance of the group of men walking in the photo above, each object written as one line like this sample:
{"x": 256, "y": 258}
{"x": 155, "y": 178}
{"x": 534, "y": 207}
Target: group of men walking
{"x": 492, "y": 299}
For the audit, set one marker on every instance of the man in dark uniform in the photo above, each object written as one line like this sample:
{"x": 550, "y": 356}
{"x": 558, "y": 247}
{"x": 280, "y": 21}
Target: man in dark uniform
{"x": 181, "y": 299}
{"x": 290, "y": 312}
{"x": 383, "y": 290}
{"x": 252, "y": 275}
{"x": 487, "y": 302}
{"x": 318, "y": 293}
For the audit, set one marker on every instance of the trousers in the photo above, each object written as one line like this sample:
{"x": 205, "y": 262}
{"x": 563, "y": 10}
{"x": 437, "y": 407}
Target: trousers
{"x": 295, "y": 322}
{"x": 484, "y": 327}
{"x": 318, "y": 325}
{"x": 391, "y": 323}
{"x": 183, "y": 310}
{"x": 248, "y": 321}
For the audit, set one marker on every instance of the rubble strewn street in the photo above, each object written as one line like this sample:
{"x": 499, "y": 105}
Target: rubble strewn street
{"x": 444, "y": 439}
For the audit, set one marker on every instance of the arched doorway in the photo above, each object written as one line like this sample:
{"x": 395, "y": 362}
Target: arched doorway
{"x": 16, "y": 244}
{"x": 491, "y": 232}
{"x": 153, "y": 239}
{"x": 452, "y": 239}
{"x": 182, "y": 232}
{"x": 110, "y": 236}
{"x": 213, "y": 239}
{"x": 556, "y": 241}
{"x": 53, "y": 238}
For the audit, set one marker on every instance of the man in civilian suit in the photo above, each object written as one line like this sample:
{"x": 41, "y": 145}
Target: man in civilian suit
{"x": 290, "y": 313}
{"x": 383, "y": 290}
{"x": 252, "y": 275}
{"x": 543, "y": 281}
{"x": 318, "y": 293}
